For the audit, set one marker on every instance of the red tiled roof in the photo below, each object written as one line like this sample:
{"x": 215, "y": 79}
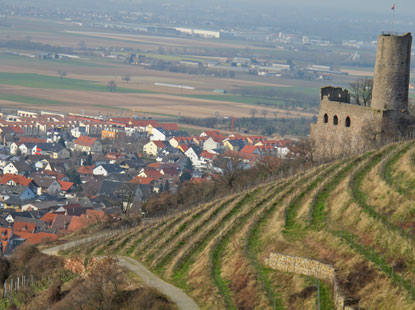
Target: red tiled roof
{"x": 170, "y": 171}
{"x": 270, "y": 142}
{"x": 86, "y": 169}
{"x": 32, "y": 140}
{"x": 184, "y": 147}
{"x": 154, "y": 165}
{"x": 151, "y": 173}
{"x": 85, "y": 141}
{"x": 91, "y": 216}
{"x": 57, "y": 175}
{"x": 37, "y": 238}
{"x": 159, "y": 144}
{"x": 5, "y": 234}
{"x": 250, "y": 149}
{"x": 235, "y": 137}
{"x": 65, "y": 186}
{"x": 207, "y": 155}
{"x": 112, "y": 155}
{"x": 169, "y": 126}
{"x": 48, "y": 218}
{"x": 17, "y": 129}
{"x": 24, "y": 227}
{"x": 140, "y": 180}
{"x": 18, "y": 179}
{"x": 215, "y": 135}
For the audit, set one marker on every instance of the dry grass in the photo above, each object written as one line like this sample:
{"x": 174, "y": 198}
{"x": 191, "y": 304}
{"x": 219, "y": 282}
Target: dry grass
{"x": 381, "y": 195}
{"x": 247, "y": 292}
{"x": 199, "y": 280}
{"x": 110, "y": 103}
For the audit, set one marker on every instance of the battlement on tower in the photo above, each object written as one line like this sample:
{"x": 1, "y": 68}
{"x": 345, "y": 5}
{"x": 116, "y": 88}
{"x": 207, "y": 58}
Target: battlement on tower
{"x": 344, "y": 128}
{"x": 336, "y": 94}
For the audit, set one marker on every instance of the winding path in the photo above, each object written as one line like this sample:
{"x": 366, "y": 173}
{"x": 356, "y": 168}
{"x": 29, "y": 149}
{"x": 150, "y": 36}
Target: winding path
{"x": 175, "y": 294}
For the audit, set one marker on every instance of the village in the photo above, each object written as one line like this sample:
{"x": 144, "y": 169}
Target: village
{"x": 64, "y": 172}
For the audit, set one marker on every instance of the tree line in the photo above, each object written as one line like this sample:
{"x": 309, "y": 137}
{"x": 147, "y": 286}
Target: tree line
{"x": 260, "y": 122}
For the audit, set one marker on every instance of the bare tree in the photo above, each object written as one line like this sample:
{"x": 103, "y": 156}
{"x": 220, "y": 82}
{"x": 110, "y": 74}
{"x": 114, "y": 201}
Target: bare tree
{"x": 305, "y": 150}
{"x": 112, "y": 86}
{"x": 361, "y": 91}
{"x": 270, "y": 164}
{"x": 371, "y": 133}
{"x": 264, "y": 113}
{"x": 82, "y": 45}
{"x": 231, "y": 171}
{"x": 253, "y": 112}
{"x": 100, "y": 289}
{"x": 124, "y": 199}
{"x": 61, "y": 74}
{"x": 126, "y": 78}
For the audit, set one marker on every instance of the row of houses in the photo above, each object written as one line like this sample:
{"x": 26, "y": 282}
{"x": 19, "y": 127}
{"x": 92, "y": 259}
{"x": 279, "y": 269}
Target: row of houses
{"x": 64, "y": 169}
{"x": 204, "y": 148}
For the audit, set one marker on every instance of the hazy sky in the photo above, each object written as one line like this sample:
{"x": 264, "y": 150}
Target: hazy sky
{"x": 360, "y": 7}
{"x": 355, "y": 5}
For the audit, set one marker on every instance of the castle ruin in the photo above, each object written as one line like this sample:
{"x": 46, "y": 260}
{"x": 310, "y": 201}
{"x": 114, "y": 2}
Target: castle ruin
{"x": 344, "y": 128}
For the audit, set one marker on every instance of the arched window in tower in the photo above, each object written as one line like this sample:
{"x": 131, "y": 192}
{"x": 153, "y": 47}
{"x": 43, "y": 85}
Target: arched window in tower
{"x": 326, "y": 118}
{"x": 348, "y": 122}
{"x": 335, "y": 120}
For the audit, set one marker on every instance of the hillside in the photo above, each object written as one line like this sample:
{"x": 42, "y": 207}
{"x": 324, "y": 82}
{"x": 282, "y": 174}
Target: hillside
{"x": 355, "y": 214}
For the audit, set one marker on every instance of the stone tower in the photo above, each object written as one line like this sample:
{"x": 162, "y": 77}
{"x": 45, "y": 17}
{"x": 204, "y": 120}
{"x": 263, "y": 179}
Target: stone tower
{"x": 391, "y": 80}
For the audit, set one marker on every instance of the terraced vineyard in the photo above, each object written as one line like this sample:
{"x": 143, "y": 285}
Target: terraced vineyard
{"x": 356, "y": 215}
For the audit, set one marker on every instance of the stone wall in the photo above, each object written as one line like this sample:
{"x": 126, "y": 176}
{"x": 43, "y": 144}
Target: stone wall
{"x": 337, "y": 94}
{"x": 309, "y": 267}
{"x": 391, "y": 79}
{"x": 344, "y": 128}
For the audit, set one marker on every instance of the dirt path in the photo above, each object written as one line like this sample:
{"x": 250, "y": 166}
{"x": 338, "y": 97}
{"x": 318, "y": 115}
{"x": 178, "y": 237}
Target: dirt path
{"x": 175, "y": 294}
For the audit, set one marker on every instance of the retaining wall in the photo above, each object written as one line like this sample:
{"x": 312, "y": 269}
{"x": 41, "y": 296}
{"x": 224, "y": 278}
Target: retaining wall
{"x": 309, "y": 267}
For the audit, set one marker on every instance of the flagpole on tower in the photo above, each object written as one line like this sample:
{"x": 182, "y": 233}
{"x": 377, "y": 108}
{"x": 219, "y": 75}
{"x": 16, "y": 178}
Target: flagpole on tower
{"x": 393, "y": 18}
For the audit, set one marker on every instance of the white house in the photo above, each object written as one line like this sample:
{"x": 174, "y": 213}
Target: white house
{"x": 14, "y": 148}
{"x": 193, "y": 154}
{"x": 10, "y": 168}
{"x": 158, "y": 134}
{"x": 18, "y": 167}
{"x": 282, "y": 151}
{"x": 210, "y": 144}
{"x": 107, "y": 169}
{"x": 153, "y": 147}
{"x": 79, "y": 131}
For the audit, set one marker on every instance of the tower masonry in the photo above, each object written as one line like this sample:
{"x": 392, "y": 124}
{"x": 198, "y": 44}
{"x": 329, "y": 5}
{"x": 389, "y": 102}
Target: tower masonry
{"x": 344, "y": 128}
{"x": 391, "y": 79}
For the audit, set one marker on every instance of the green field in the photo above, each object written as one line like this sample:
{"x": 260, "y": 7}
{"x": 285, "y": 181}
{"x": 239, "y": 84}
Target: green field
{"x": 32, "y": 100}
{"x": 50, "y": 82}
{"x": 266, "y": 100}
{"x": 11, "y": 59}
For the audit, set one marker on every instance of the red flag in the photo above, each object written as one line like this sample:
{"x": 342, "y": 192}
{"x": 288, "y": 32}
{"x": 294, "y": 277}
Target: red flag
{"x": 393, "y": 7}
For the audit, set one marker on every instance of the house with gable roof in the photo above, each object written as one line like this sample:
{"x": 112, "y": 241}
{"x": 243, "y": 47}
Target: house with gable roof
{"x": 193, "y": 153}
{"x": 107, "y": 169}
{"x": 234, "y": 145}
{"x": 153, "y": 148}
{"x": 88, "y": 145}
{"x": 158, "y": 134}
{"x": 17, "y": 167}
{"x": 212, "y": 143}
